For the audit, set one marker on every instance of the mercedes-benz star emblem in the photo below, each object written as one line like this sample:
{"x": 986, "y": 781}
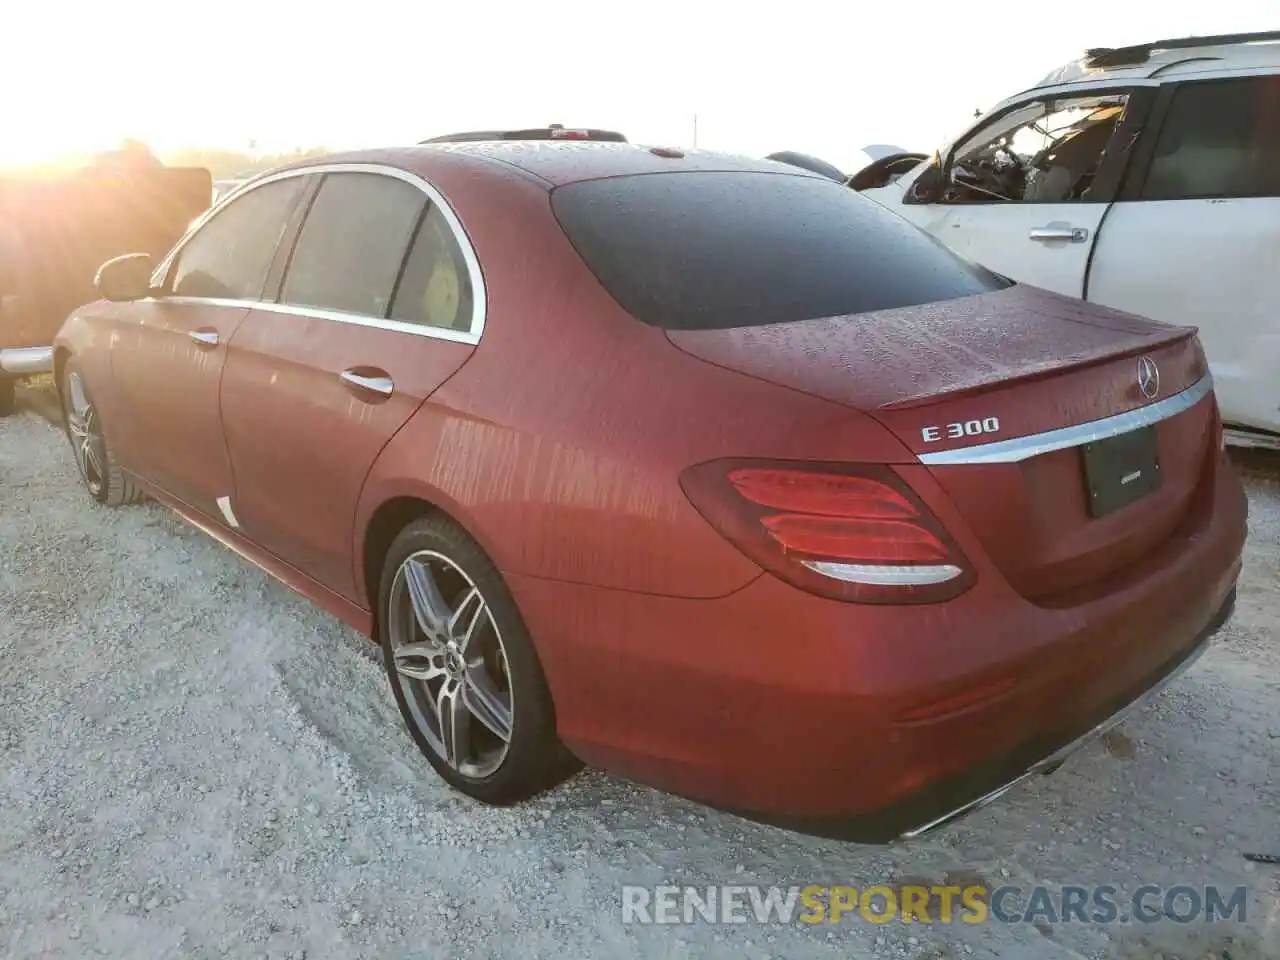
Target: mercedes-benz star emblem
{"x": 1148, "y": 377}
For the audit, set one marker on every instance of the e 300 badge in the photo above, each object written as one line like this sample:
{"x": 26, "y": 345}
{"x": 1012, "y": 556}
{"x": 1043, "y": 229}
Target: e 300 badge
{"x": 954, "y": 431}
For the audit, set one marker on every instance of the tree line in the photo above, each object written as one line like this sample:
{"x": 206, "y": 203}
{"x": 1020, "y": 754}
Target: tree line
{"x": 221, "y": 163}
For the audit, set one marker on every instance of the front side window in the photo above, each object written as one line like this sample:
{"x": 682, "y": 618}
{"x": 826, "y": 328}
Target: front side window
{"x": 1221, "y": 138}
{"x": 352, "y": 244}
{"x": 229, "y": 257}
{"x": 435, "y": 288}
{"x": 1046, "y": 151}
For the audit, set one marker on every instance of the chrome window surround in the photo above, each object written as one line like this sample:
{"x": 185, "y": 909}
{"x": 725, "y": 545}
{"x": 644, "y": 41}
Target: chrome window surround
{"x": 479, "y": 298}
{"x": 1023, "y": 448}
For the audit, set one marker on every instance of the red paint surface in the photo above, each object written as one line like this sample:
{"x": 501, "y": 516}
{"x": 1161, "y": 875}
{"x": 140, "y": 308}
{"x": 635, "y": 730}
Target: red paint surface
{"x": 296, "y": 488}
{"x": 559, "y": 441}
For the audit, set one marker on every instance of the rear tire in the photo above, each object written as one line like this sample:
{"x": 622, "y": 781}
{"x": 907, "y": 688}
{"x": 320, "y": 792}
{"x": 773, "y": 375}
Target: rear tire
{"x": 8, "y": 397}
{"x": 99, "y": 469}
{"x": 463, "y": 670}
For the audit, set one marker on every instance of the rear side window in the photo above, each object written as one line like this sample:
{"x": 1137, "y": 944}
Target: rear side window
{"x": 228, "y": 258}
{"x": 352, "y": 244}
{"x": 708, "y": 250}
{"x": 1221, "y": 138}
{"x": 435, "y": 288}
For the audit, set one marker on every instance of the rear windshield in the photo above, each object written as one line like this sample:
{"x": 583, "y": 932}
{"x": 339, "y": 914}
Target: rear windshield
{"x": 707, "y": 250}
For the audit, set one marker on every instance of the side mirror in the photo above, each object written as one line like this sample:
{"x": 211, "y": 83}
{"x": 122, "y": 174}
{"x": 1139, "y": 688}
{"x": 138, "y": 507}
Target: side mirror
{"x": 125, "y": 278}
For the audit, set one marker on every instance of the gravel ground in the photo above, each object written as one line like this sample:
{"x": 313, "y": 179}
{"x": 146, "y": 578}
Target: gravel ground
{"x": 195, "y": 762}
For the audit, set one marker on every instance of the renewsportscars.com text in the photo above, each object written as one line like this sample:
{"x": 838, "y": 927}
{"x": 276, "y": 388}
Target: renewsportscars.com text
{"x": 972, "y": 904}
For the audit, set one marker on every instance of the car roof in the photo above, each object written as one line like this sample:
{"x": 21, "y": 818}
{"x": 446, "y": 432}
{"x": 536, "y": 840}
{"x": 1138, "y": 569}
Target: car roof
{"x": 556, "y": 162}
{"x": 1170, "y": 58}
{"x": 555, "y": 131}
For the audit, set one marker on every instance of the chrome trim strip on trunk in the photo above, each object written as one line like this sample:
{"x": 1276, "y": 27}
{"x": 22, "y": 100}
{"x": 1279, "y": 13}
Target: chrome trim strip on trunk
{"x": 22, "y": 361}
{"x": 1055, "y": 758}
{"x": 1023, "y": 448}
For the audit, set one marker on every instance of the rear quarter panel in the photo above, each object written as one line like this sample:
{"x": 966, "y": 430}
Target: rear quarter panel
{"x": 559, "y": 445}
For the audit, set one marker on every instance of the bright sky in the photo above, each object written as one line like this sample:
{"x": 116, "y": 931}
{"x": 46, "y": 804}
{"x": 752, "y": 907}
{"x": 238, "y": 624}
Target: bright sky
{"x": 821, "y": 77}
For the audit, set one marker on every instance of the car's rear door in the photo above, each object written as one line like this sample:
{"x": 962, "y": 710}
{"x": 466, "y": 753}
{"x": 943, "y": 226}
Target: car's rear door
{"x": 382, "y": 301}
{"x": 168, "y": 351}
{"x": 1194, "y": 241}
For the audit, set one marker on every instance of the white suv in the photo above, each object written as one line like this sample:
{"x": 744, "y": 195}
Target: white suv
{"x": 1145, "y": 178}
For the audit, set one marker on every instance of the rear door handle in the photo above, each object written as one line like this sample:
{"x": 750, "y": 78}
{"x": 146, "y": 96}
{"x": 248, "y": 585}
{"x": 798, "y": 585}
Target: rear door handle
{"x": 205, "y": 338}
{"x": 1053, "y": 232}
{"x": 373, "y": 381}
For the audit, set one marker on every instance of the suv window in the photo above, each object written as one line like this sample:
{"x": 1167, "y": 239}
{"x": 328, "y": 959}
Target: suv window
{"x": 1221, "y": 138}
{"x": 435, "y": 287}
{"x": 1046, "y": 151}
{"x": 229, "y": 257}
{"x": 709, "y": 250}
{"x": 352, "y": 244}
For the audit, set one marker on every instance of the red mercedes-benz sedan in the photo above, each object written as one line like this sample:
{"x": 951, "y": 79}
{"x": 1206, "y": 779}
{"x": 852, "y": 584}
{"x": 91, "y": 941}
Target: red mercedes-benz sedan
{"x": 703, "y": 470}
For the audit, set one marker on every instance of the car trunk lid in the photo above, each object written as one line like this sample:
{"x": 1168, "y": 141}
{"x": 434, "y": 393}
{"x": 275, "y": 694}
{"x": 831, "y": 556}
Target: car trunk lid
{"x": 1013, "y": 365}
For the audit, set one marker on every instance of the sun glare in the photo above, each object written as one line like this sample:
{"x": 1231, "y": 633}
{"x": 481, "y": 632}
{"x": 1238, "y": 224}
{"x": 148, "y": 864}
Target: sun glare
{"x": 35, "y": 151}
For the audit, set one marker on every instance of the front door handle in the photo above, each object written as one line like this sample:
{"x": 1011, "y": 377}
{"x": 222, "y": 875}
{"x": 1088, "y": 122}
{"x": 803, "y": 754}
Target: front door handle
{"x": 205, "y": 338}
{"x": 373, "y": 381}
{"x": 1055, "y": 232}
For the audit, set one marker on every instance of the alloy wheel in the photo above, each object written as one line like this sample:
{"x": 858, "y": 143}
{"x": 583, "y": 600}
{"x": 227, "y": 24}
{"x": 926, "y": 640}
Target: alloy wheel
{"x": 85, "y": 428}
{"x": 451, "y": 664}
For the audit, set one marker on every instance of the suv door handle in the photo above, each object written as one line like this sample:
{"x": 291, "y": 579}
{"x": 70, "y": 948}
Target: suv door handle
{"x": 1052, "y": 232}
{"x": 205, "y": 338}
{"x": 373, "y": 381}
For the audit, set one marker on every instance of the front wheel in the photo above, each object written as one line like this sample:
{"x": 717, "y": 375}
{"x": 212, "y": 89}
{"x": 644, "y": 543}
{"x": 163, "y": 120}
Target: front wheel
{"x": 97, "y": 464}
{"x": 463, "y": 669}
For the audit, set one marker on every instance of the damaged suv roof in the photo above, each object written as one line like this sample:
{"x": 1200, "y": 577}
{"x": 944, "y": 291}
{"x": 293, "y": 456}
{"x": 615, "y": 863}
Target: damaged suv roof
{"x": 1187, "y": 55}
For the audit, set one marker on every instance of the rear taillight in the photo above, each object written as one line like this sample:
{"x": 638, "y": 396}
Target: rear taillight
{"x": 849, "y": 532}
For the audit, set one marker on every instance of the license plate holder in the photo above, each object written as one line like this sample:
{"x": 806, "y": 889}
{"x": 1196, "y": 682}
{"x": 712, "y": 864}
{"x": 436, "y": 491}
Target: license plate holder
{"x": 1120, "y": 470}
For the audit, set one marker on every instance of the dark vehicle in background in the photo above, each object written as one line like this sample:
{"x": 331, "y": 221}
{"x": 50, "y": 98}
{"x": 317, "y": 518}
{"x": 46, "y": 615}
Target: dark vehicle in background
{"x": 56, "y": 231}
{"x": 811, "y": 163}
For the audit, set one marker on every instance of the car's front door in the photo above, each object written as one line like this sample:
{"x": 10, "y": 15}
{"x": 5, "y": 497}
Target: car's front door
{"x": 167, "y": 355}
{"x": 1195, "y": 242}
{"x": 382, "y": 301}
{"x": 1028, "y": 189}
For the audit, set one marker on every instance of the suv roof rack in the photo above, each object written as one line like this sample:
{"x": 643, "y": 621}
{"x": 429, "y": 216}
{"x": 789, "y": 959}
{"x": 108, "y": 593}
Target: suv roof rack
{"x": 553, "y": 131}
{"x": 1141, "y": 52}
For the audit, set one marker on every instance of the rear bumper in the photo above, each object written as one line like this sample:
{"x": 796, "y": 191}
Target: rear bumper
{"x": 870, "y": 722}
{"x": 24, "y": 361}
{"x": 949, "y": 800}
